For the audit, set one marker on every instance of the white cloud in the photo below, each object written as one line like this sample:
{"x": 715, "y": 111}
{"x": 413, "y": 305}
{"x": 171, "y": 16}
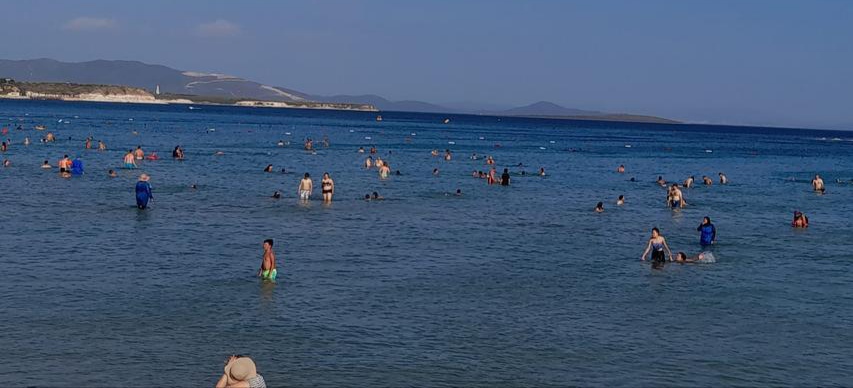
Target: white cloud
{"x": 89, "y": 24}
{"x": 217, "y": 29}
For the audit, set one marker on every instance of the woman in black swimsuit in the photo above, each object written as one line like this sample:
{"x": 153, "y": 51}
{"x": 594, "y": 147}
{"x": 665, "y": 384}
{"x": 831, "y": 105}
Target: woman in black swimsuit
{"x": 328, "y": 186}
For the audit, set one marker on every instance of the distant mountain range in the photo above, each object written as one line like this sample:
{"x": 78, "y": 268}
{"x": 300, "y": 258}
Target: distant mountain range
{"x": 177, "y": 82}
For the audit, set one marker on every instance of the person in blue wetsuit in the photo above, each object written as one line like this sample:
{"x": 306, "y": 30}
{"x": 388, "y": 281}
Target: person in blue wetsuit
{"x": 77, "y": 166}
{"x": 143, "y": 192}
{"x": 708, "y": 233}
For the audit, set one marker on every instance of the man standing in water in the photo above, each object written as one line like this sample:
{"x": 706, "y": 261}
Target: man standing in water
{"x": 129, "y": 161}
{"x": 817, "y": 184}
{"x": 306, "y": 186}
{"x": 268, "y": 269}
{"x": 143, "y": 192}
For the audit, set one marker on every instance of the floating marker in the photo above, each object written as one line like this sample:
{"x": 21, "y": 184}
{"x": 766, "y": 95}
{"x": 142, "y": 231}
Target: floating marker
{"x": 552, "y": 142}
{"x": 542, "y": 148}
{"x": 482, "y": 138}
{"x": 287, "y": 133}
{"x": 414, "y": 134}
{"x": 351, "y": 131}
{"x": 627, "y": 146}
{"x": 708, "y": 151}
{"x": 451, "y": 142}
{"x": 368, "y": 138}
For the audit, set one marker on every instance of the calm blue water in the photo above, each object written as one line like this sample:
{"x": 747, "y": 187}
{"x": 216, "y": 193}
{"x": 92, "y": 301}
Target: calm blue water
{"x": 522, "y": 285}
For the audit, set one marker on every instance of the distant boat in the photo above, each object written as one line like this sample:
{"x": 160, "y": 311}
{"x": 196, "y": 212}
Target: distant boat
{"x": 379, "y": 118}
{"x": 40, "y": 127}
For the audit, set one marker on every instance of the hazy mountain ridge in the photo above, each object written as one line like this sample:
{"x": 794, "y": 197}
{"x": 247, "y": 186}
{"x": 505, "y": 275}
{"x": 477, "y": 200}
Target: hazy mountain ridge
{"x": 221, "y": 86}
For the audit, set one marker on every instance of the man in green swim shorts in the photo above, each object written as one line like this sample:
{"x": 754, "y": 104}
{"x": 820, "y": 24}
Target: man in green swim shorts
{"x": 268, "y": 269}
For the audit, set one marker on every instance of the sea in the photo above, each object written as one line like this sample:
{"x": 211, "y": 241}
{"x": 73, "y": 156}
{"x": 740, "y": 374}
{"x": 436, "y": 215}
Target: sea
{"x": 522, "y": 285}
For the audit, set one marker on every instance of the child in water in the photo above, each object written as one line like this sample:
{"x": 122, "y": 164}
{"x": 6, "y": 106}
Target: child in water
{"x": 268, "y": 269}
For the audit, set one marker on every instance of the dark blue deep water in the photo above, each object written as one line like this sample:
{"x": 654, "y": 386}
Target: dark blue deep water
{"x": 503, "y": 286}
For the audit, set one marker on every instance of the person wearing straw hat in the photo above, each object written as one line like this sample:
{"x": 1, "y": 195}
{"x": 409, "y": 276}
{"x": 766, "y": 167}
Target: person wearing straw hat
{"x": 143, "y": 192}
{"x": 240, "y": 372}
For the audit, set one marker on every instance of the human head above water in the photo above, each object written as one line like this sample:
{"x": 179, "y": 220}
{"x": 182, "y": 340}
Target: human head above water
{"x": 307, "y": 175}
{"x": 655, "y": 232}
{"x": 706, "y": 220}
{"x": 680, "y": 256}
{"x": 269, "y": 242}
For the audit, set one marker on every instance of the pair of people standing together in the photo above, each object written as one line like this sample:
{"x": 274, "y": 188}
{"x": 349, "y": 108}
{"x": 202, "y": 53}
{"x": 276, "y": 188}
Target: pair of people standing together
{"x": 306, "y": 187}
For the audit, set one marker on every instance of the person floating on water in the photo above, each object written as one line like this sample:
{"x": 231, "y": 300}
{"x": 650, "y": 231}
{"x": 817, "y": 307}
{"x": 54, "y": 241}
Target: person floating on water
{"x": 707, "y": 232}
{"x": 505, "y": 177}
{"x": 129, "y": 160}
{"x": 599, "y": 207}
{"x": 306, "y": 186}
{"x": 800, "y": 220}
{"x": 723, "y": 179}
{"x": 656, "y": 246}
{"x": 268, "y": 168}
{"x": 703, "y": 257}
{"x": 143, "y": 192}
{"x": 328, "y": 187}
{"x": 268, "y": 269}
{"x": 817, "y": 184}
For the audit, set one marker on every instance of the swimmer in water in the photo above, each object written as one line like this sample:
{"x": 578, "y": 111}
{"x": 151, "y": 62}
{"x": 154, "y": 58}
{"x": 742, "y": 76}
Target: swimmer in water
{"x": 505, "y": 177}
{"x": 541, "y": 171}
{"x": 143, "y": 192}
{"x": 368, "y": 163}
{"x": 723, "y": 179}
{"x": 492, "y": 177}
{"x": 656, "y": 246}
{"x": 6, "y": 163}
{"x": 373, "y": 150}
{"x": 139, "y": 154}
{"x": 688, "y": 183}
{"x": 447, "y": 155}
{"x": 398, "y": 173}
{"x": 178, "y": 153}
{"x": 661, "y": 181}
{"x": 276, "y": 194}
{"x": 707, "y": 232}
{"x": 707, "y": 181}
{"x": 328, "y": 187}
{"x": 599, "y": 207}
{"x": 620, "y": 201}
{"x": 306, "y": 186}
{"x": 621, "y": 169}
{"x": 367, "y": 197}
{"x": 800, "y": 220}
{"x": 817, "y": 184}
{"x": 376, "y": 196}
{"x": 268, "y": 168}
{"x": 268, "y": 269}
{"x": 682, "y": 258}
{"x": 101, "y": 146}
{"x": 64, "y": 165}
{"x": 675, "y": 197}
{"x": 435, "y": 172}
{"x": 458, "y": 192}
{"x": 46, "y": 165}
{"x": 112, "y": 174}
{"x": 474, "y": 156}
{"x": 434, "y": 153}
{"x": 361, "y": 150}
{"x": 280, "y": 143}
{"x": 88, "y": 144}
{"x": 129, "y": 160}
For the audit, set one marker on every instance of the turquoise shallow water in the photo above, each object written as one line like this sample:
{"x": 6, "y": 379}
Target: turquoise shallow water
{"x": 522, "y": 285}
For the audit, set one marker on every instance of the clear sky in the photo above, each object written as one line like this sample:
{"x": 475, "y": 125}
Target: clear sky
{"x": 773, "y": 62}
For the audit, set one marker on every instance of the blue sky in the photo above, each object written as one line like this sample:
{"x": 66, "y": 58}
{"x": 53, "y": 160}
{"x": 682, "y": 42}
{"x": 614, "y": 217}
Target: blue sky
{"x": 754, "y": 62}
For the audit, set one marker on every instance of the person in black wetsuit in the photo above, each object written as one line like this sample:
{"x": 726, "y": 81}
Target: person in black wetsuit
{"x": 505, "y": 177}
